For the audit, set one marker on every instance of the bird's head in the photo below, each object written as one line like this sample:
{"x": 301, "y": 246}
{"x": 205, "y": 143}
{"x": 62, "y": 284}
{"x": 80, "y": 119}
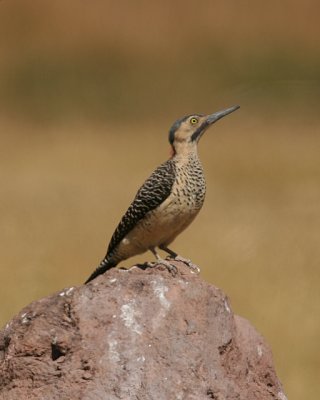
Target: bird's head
{"x": 186, "y": 132}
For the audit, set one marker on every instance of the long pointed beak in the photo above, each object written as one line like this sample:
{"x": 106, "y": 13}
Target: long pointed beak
{"x": 212, "y": 118}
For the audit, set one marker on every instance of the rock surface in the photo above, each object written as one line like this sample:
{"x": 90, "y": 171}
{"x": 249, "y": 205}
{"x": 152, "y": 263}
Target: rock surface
{"x": 137, "y": 334}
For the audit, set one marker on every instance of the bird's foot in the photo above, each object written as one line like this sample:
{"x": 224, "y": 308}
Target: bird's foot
{"x": 194, "y": 268}
{"x": 170, "y": 267}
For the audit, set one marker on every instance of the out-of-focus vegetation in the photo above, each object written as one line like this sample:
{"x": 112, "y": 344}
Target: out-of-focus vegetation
{"x": 88, "y": 91}
{"x": 138, "y": 60}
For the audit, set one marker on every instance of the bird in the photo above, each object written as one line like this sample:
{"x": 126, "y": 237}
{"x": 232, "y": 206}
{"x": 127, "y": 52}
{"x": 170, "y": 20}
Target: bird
{"x": 168, "y": 201}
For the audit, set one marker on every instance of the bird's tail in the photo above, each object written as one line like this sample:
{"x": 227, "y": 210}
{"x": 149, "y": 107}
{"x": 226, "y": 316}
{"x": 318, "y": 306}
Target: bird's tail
{"x": 104, "y": 266}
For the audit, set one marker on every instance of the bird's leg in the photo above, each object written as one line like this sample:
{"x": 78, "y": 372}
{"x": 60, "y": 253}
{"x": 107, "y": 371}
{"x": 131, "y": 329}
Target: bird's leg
{"x": 171, "y": 268}
{"x": 176, "y": 256}
{"x": 170, "y": 252}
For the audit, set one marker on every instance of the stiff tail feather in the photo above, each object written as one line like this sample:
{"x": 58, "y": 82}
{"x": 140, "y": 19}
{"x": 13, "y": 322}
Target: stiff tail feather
{"x": 104, "y": 266}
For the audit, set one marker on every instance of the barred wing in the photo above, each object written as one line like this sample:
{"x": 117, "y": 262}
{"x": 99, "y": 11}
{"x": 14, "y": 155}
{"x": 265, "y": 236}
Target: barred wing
{"x": 152, "y": 193}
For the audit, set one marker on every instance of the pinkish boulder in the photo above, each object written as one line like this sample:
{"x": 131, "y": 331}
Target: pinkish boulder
{"x": 137, "y": 334}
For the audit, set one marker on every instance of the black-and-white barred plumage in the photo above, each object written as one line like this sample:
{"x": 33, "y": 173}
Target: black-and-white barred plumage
{"x": 151, "y": 194}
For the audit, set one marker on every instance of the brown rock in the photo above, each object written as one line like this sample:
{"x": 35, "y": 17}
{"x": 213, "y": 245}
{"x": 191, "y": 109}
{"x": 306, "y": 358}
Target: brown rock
{"x": 137, "y": 334}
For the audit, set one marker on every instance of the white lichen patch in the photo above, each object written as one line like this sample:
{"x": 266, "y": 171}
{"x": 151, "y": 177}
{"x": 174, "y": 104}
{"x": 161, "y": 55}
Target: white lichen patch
{"x": 183, "y": 283}
{"x": 160, "y": 289}
{"x": 141, "y": 359}
{"x": 113, "y": 350}
{"x": 69, "y": 291}
{"x": 226, "y": 305}
{"x": 128, "y": 316}
{"x": 282, "y": 396}
{"x": 24, "y": 318}
{"x": 113, "y": 280}
{"x": 66, "y": 292}
{"x": 259, "y": 350}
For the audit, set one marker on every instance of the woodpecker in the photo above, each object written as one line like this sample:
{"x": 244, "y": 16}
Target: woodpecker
{"x": 169, "y": 199}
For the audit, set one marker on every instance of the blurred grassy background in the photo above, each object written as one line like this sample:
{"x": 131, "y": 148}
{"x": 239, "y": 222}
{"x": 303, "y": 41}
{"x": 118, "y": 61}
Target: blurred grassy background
{"x": 88, "y": 91}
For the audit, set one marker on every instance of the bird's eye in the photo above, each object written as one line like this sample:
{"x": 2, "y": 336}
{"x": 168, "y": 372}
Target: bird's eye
{"x": 193, "y": 120}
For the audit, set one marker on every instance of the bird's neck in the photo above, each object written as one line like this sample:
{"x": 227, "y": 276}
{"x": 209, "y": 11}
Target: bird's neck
{"x": 184, "y": 150}
{"x": 184, "y": 154}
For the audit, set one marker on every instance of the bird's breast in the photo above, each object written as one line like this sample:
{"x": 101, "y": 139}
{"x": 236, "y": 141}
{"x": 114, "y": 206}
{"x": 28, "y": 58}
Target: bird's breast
{"x": 189, "y": 188}
{"x": 186, "y": 198}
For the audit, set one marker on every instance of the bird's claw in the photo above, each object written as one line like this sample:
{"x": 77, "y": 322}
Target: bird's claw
{"x": 170, "y": 267}
{"x": 194, "y": 268}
